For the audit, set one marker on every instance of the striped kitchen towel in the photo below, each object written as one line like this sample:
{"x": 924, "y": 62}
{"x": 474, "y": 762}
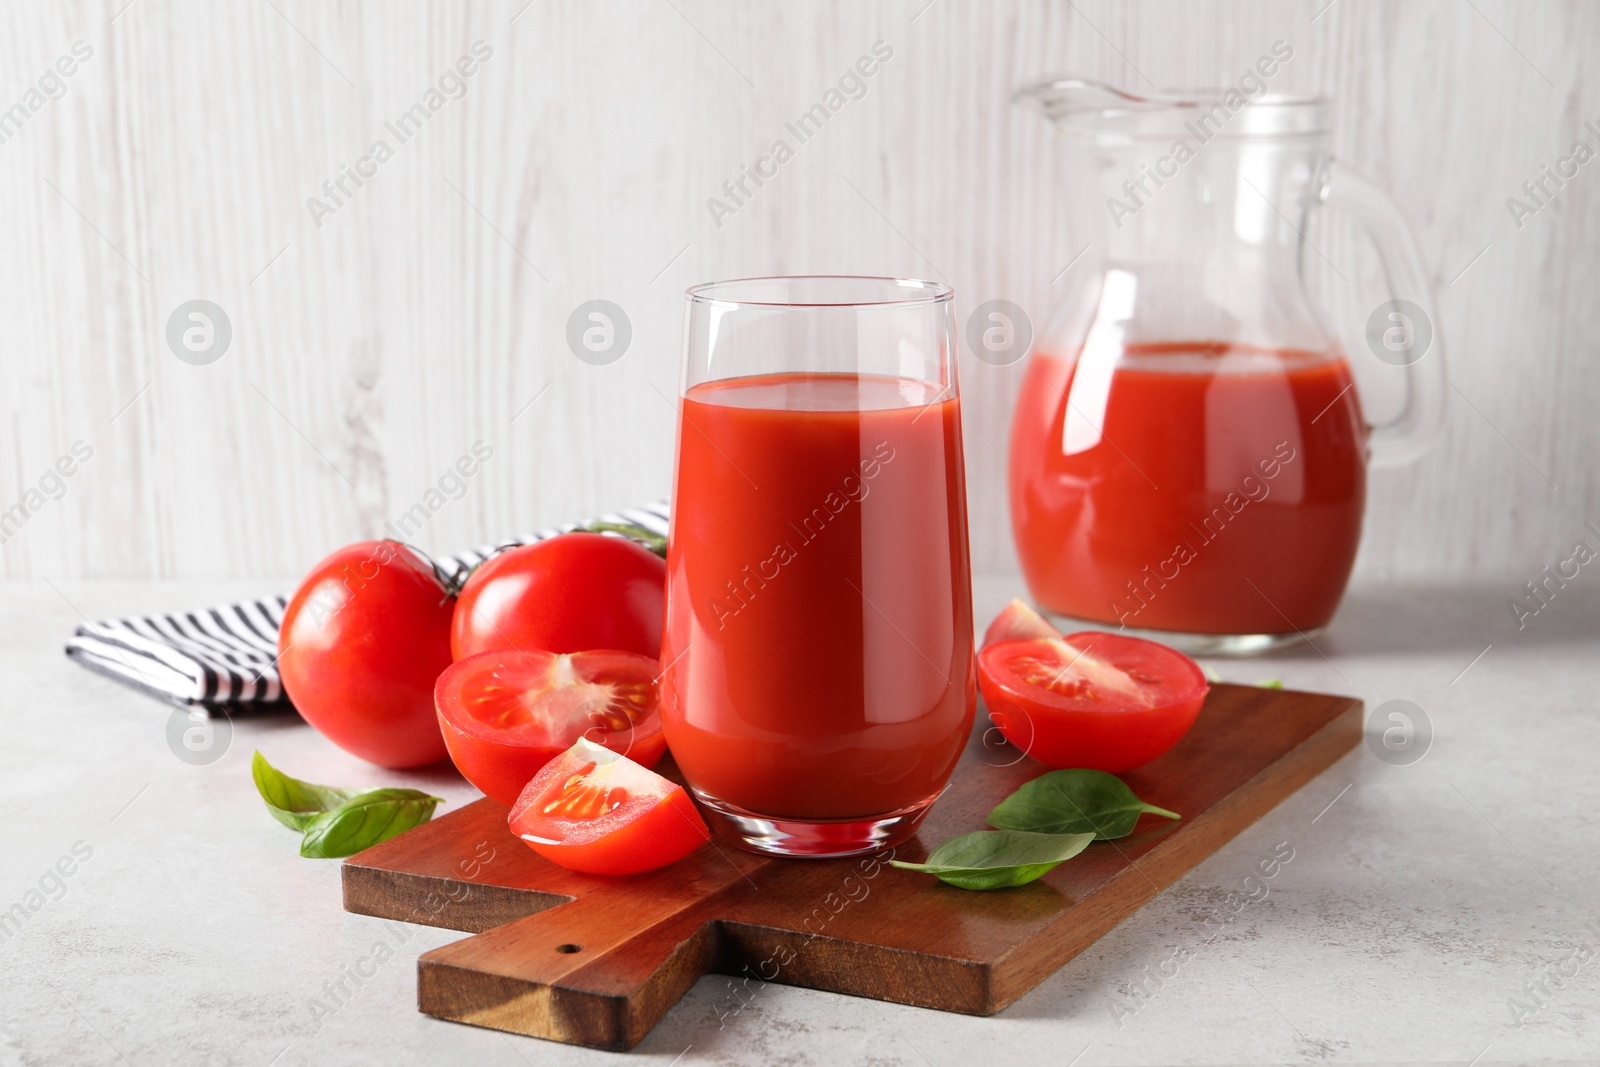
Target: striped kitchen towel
{"x": 226, "y": 657}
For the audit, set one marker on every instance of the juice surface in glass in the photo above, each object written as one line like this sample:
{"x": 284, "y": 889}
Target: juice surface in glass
{"x": 1205, "y": 488}
{"x": 818, "y": 641}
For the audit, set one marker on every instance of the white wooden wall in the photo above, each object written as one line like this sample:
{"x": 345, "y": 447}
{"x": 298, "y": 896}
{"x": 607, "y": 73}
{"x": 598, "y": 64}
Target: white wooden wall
{"x": 369, "y": 353}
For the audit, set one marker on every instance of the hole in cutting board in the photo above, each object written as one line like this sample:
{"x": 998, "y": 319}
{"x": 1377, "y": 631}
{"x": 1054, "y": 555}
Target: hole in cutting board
{"x": 569, "y": 948}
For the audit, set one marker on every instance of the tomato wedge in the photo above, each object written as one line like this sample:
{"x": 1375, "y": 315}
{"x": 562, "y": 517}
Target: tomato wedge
{"x": 1090, "y": 699}
{"x": 1018, "y": 619}
{"x": 507, "y": 713}
{"x": 593, "y": 810}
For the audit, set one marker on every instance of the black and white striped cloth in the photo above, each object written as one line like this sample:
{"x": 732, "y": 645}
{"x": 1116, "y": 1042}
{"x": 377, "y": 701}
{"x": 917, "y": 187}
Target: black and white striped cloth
{"x": 226, "y": 657}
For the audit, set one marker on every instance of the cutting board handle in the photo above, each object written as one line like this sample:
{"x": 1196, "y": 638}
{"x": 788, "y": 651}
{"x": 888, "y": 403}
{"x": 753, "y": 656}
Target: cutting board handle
{"x": 600, "y": 971}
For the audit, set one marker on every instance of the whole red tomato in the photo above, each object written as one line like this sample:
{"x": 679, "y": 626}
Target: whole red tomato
{"x": 363, "y": 641}
{"x": 572, "y": 593}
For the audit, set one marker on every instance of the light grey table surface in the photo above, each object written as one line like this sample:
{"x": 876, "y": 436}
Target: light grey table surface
{"x": 1422, "y": 900}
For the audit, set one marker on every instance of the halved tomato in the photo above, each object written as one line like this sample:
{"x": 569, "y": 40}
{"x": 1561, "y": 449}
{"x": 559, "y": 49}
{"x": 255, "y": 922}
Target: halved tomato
{"x": 1090, "y": 699}
{"x": 593, "y": 810}
{"x": 507, "y": 713}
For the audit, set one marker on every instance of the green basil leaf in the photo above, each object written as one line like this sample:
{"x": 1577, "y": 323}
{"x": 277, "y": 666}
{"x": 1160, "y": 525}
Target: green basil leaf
{"x": 1074, "y": 802}
{"x": 338, "y": 822}
{"x": 364, "y": 821}
{"x": 1270, "y": 683}
{"x": 996, "y": 859}
{"x": 291, "y": 801}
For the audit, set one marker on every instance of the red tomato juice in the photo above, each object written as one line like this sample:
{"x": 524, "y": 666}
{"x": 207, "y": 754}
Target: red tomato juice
{"x": 818, "y": 642}
{"x": 1197, "y": 487}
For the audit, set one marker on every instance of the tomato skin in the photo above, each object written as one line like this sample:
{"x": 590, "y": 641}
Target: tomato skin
{"x": 500, "y": 771}
{"x": 362, "y": 641}
{"x": 658, "y": 824}
{"x": 570, "y": 593}
{"x": 499, "y": 757}
{"x": 1064, "y": 732}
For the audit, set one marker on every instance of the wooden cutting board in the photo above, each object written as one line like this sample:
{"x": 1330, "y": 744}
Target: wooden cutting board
{"x": 597, "y": 961}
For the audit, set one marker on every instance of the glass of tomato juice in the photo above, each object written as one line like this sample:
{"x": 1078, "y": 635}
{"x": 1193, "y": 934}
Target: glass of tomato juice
{"x": 818, "y": 685}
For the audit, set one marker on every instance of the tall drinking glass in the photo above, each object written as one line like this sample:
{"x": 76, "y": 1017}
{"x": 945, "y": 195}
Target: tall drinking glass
{"x": 818, "y": 681}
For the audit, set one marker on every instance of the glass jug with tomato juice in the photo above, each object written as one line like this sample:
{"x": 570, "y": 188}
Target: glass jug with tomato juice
{"x": 1188, "y": 452}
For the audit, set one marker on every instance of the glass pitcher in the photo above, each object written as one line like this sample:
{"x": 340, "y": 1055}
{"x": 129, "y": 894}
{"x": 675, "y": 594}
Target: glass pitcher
{"x": 1188, "y": 451}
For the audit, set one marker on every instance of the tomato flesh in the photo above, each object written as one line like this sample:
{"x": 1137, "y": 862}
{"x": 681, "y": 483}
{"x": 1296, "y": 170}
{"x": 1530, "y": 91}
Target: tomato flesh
{"x": 566, "y": 594}
{"x": 505, "y": 713}
{"x": 1090, "y": 699}
{"x": 593, "y": 810}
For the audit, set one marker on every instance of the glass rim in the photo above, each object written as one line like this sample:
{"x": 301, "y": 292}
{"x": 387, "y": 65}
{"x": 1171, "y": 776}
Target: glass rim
{"x": 897, "y": 292}
{"x": 1080, "y": 105}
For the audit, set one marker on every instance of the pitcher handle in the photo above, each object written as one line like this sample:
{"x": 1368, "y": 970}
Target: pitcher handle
{"x": 1403, "y": 331}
